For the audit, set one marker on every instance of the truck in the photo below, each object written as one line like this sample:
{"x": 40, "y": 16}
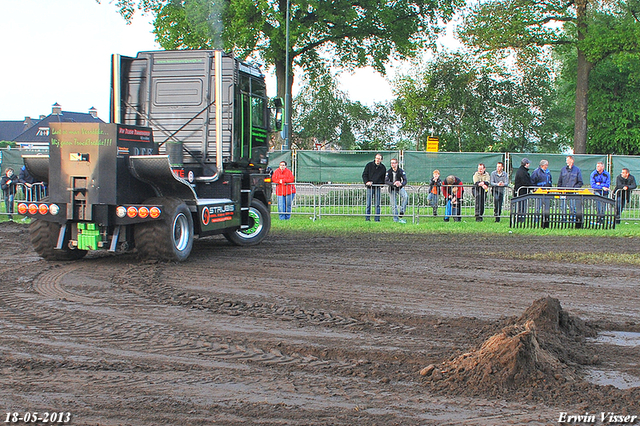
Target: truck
{"x": 185, "y": 155}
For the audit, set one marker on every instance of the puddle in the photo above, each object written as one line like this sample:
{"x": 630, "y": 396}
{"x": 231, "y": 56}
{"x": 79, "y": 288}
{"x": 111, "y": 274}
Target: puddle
{"x": 618, "y": 338}
{"x": 617, "y": 379}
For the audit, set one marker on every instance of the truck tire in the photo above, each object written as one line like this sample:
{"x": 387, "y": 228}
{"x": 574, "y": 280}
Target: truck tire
{"x": 259, "y": 226}
{"x": 44, "y": 238}
{"x": 169, "y": 238}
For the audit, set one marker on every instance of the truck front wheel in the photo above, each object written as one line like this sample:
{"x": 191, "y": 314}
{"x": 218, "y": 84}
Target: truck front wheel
{"x": 259, "y": 226}
{"x": 169, "y": 238}
{"x": 44, "y": 238}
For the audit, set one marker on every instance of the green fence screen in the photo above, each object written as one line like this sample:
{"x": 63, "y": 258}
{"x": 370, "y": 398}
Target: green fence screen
{"x": 420, "y": 165}
{"x": 336, "y": 167}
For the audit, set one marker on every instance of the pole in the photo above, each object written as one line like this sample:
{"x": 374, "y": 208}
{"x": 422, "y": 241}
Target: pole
{"x": 287, "y": 95}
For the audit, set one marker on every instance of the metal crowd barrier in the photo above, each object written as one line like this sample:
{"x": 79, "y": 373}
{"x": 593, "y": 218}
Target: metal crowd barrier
{"x": 562, "y": 208}
{"x": 350, "y": 200}
{"x": 23, "y": 193}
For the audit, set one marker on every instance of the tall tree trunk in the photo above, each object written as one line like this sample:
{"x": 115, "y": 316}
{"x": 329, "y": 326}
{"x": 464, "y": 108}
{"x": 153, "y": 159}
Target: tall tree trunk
{"x": 582, "y": 84}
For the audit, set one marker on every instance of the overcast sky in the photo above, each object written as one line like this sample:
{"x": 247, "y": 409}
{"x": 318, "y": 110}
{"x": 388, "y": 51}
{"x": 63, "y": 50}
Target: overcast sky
{"x": 60, "y": 51}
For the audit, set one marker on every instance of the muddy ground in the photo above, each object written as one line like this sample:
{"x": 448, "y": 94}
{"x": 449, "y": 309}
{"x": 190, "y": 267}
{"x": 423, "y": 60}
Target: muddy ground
{"x": 309, "y": 330}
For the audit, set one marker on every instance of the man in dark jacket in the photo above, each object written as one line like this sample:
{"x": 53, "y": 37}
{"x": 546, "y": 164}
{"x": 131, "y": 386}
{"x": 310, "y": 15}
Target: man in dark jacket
{"x": 522, "y": 179}
{"x": 570, "y": 175}
{"x": 625, "y": 183}
{"x": 373, "y": 177}
{"x": 520, "y": 184}
{"x": 8, "y": 184}
{"x": 396, "y": 179}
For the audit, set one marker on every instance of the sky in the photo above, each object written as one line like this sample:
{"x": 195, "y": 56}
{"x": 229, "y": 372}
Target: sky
{"x": 59, "y": 51}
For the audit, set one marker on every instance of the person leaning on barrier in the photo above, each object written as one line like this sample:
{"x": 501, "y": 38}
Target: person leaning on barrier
{"x": 499, "y": 180}
{"x": 452, "y": 191}
{"x": 373, "y": 176}
{"x": 600, "y": 183}
{"x": 285, "y": 189}
{"x": 600, "y": 180}
{"x": 522, "y": 178}
{"x": 434, "y": 189}
{"x": 541, "y": 176}
{"x": 570, "y": 175}
{"x": 480, "y": 188}
{"x": 520, "y": 187}
{"x": 8, "y": 184}
{"x": 625, "y": 183}
{"x": 396, "y": 178}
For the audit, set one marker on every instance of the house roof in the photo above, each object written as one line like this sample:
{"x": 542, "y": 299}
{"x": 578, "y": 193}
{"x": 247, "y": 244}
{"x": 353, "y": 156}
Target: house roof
{"x": 9, "y": 130}
{"x": 40, "y": 132}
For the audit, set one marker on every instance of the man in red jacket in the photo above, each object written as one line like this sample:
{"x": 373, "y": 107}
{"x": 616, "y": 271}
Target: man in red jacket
{"x": 285, "y": 189}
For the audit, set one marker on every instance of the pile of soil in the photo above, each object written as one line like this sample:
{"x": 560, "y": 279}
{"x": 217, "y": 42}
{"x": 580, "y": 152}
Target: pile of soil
{"x": 544, "y": 346}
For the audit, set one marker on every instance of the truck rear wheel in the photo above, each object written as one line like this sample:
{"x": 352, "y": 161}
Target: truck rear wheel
{"x": 259, "y": 226}
{"x": 44, "y": 238}
{"x": 169, "y": 238}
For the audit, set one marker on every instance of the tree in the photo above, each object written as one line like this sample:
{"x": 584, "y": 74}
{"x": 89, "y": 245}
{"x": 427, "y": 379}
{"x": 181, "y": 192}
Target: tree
{"x": 477, "y": 106}
{"x": 342, "y": 33}
{"x": 595, "y": 29}
{"x": 445, "y": 100}
{"x": 324, "y": 114}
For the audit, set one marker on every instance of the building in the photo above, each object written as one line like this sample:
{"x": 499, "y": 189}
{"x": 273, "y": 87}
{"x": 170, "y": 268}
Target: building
{"x": 36, "y": 136}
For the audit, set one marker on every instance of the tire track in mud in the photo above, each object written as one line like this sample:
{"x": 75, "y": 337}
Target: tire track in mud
{"x": 163, "y": 288}
{"x": 118, "y": 333}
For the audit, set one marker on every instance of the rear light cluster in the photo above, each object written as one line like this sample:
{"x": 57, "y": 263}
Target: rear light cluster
{"x": 141, "y": 212}
{"x": 35, "y": 208}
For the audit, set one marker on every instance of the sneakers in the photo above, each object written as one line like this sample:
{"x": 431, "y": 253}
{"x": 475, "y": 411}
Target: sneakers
{"x": 402, "y": 221}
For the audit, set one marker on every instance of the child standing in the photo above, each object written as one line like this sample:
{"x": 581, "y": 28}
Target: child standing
{"x": 434, "y": 190}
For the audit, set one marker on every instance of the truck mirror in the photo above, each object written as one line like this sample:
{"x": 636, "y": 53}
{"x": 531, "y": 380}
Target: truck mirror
{"x": 276, "y": 125}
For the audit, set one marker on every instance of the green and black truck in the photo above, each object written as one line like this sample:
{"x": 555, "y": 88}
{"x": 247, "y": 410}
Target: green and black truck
{"x": 185, "y": 154}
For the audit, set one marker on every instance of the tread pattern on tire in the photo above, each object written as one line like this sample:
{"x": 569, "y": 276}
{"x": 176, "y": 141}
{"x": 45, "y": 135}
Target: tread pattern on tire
{"x": 154, "y": 240}
{"x": 44, "y": 237}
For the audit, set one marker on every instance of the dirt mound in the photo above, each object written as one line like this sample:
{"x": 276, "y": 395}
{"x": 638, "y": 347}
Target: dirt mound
{"x": 539, "y": 348}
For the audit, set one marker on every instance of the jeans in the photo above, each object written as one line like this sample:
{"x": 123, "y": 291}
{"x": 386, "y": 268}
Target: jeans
{"x": 498, "y": 200}
{"x": 284, "y": 206}
{"x": 373, "y": 192}
{"x": 404, "y": 198}
{"x": 8, "y": 204}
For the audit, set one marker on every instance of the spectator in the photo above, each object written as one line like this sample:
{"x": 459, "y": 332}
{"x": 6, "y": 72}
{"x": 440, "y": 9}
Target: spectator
{"x": 625, "y": 183}
{"x": 434, "y": 189}
{"x": 452, "y": 191}
{"x": 600, "y": 180}
{"x": 8, "y": 184}
{"x": 373, "y": 176}
{"x": 396, "y": 178}
{"x": 481, "y": 181}
{"x": 285, "y": 189}
{"x": 570, "y": 175}
{"x": 520, "y": 187}
{"x": 499, "y": 180}
{"x": 541, "y": 177}
{"x": 522, "y": 179}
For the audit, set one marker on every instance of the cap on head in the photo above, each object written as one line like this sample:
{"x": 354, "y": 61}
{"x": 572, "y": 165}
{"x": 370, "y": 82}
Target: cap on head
{"x": 525, "y": 161}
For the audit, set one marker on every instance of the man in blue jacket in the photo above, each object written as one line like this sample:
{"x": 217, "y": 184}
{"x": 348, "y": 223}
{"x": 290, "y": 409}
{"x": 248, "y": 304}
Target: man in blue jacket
{"x": 541, "y": 176}
{"x": 600, "y": 183}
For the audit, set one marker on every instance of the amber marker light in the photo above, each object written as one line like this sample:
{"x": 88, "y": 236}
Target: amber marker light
{"x": 154, "y": 212}
{"x": 143, "y": 212}
{"x": 33, "y": 208}
{"x": 132, "y": 212}
{"x": 43, "y": 209}
{"x": 23, "y": 208}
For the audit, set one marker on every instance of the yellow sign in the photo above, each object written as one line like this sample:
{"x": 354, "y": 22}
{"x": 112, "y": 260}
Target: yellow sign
{"x": 433, "y": 144}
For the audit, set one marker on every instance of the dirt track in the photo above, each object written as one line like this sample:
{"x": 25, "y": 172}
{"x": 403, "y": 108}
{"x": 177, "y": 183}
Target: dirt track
{"x": 318, "y": 331}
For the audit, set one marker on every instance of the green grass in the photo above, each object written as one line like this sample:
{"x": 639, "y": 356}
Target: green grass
{"x": 341, "y": 225}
